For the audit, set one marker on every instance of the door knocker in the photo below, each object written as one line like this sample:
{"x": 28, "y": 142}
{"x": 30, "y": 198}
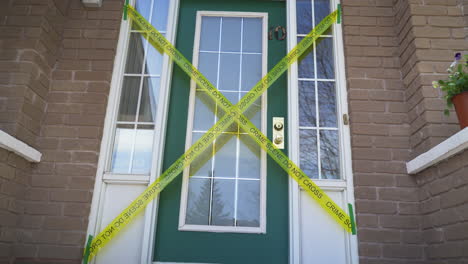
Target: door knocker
{"x": 277, "y": 34}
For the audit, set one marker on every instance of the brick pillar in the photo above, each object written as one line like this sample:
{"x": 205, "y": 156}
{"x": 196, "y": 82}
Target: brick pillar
{"x": 431, "y": 33}
{"x": 386, "y": 197}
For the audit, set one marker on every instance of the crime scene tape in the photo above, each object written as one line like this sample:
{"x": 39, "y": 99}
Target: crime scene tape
{"x": 233, "y": 113}
{"x": 251, "y": 96}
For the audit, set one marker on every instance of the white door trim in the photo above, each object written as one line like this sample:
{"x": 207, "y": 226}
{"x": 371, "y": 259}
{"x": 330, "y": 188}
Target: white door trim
{"x": 102, "y": 179}
{"x": 293, "y": 136}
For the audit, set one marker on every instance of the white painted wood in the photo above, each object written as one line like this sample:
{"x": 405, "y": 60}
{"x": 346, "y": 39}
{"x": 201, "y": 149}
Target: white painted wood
{"x": 126, "y": 246}
{"x": 151, "y": 211}
{"x": 133, "y": 183}
{"x": 303, "y": 209}
{"x": 446, "y": 149}
{"x": 322, "y": 240}
{"x": 20, "y": 148}
{"x": 92, "y": 3}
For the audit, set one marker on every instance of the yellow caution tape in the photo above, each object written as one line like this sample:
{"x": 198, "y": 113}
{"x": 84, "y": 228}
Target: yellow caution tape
{"x": 233, "y": 114}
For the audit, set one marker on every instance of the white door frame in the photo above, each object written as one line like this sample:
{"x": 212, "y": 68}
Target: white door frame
{"x": 102, "y": 179}
{"x": 151, "y": 210}
{"x": 293, "y": 137}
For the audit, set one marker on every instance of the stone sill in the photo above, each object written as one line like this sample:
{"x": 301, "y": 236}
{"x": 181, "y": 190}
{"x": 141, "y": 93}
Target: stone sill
{"x": 448, "y": 148}
{"x": 19, "y": 147}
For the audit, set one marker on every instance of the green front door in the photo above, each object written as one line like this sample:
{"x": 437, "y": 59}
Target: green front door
{"x": 226, "y": 214}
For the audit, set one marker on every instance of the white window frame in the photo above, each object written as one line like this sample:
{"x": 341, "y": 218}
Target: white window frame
{"x": 345, "y": 184}
{"x": 103, "y": 177}
{"x": 184, "y": 193}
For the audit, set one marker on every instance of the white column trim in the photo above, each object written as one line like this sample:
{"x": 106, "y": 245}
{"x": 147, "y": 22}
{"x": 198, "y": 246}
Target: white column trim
{"x": 20, "y": 148}
{"x": 448, "y": 148}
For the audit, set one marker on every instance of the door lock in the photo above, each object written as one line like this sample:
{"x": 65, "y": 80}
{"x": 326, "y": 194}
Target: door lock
{"x": 278, "y": 132}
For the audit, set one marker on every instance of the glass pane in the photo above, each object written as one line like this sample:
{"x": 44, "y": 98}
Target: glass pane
{"x": 209, "y": 36}
{"x": 306, "y": 63}
{"x": 144, "y": 8}
{"x": 201, "y": 166}
{"x": 308, "y": 150}
{"x": 153, "y": 61}
{"x": 249, "y": 158}
{"x": 208, "y": 66}
{"x": 327, "y": 104}
{"x": 229, "y": 72}
{"x": 198, "y": 204}
{"x": 204, "y": 114}
{"x": 252, "y": 35}
{"x": 230, "y": 34}
{"x": 159, "y": 17}
{"x": 135, "y": 53}
{"x": 129, "y": 99}
{"x": 321, "y": 10}
{"x": 222, "y": 212}
{"x": 325, "y": 63}
{"x": 149, "y": 100}
{"x": 233, "y": 97}
{"x": 251, "y": 70}
{"x": 226, "y": 156}
{"x": 123, "y": 145}
{"x": 143, "y": 149}
{"x": 304, "y": 16}
{"x": 248, "y": 203}
{"x": 307, "y": 115}
{"x": 329, "y": 150}
{"x": 253, "y": 113}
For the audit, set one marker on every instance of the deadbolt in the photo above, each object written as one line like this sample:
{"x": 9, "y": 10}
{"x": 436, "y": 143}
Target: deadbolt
{"x": 278, "y": 125}
{"x": 278, "y": 132}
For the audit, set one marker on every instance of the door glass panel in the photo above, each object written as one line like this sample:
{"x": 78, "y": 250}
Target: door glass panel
{"x": 209, "y": 34}
{"x": 139, "y": 95}
{"x": 318, "y": 123}
{"x": 230, "y": 32}
{"x": 198, "y": 208}
{"x": 248, "y": 203}
{"x": 230, "y": 56}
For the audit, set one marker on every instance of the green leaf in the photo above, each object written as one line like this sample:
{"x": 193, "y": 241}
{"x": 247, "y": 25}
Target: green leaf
{"x": 446, "y": 112}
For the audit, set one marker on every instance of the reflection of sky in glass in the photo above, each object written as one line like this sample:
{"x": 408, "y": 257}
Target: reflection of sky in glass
{"x": 133, "y": 142}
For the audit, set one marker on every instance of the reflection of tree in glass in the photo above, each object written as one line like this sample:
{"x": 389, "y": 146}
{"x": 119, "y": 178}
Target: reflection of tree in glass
{"x": 248, "y": 204}
{"x": 198, "y": 210}
{"x": 329, "y": 149}
{"x": 325, "y": 64}
{"x": 308, "y": 153}
{"x": 304, "y": 16}
{"x": 327, "y": 104}
{"x": 307, "y": 116}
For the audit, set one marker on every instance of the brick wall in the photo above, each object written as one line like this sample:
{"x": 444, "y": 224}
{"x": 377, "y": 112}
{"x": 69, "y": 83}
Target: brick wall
{"x": 14, "y": 176}
{"x": 59, "y": 197}
{"x": 386, "y": 197}
{"x": 394, "y": 50}
{"x": 55, "y": 68}
{"x": 30, "y": 37}
{"x": 444, "y": 207}
{"x": 431, "y": 33}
